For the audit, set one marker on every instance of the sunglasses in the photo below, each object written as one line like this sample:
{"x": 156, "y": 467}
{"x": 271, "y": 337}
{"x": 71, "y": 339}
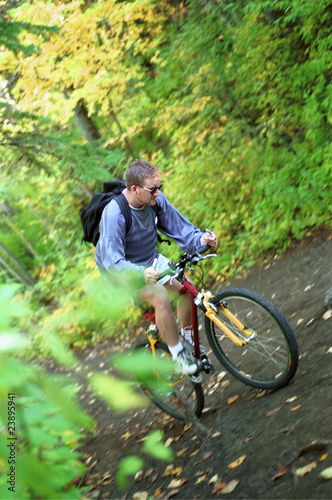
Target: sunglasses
{"x": 152, "y": 190}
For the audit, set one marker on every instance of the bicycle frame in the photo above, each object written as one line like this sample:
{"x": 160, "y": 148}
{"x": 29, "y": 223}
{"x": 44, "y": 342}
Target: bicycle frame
{"x": 210, "y": 311}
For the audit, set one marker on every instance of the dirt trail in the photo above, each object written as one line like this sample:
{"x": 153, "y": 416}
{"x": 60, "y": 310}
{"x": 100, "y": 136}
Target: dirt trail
{"x": 278, "y": 433}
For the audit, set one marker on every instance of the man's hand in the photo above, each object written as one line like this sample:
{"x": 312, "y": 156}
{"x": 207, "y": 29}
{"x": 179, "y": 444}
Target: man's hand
{"x": 209, "y": 238}
{"x": 151, "y": 274}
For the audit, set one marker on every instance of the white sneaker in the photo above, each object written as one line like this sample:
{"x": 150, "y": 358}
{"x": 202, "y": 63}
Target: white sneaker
{"x": 189, "y": 346}
{"x": 185, "y": 363}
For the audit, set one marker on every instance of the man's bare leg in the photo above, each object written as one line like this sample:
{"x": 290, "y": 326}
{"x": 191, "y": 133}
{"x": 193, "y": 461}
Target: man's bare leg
{"x": 157, "y": 296}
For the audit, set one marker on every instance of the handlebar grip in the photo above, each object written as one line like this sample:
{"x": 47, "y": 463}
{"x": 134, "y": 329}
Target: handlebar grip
{"x": 167, "y": 272}
{"x": 203, "y": 249}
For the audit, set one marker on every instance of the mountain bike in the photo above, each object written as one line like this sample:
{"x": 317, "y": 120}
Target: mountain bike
{"x": 249, "y": 336}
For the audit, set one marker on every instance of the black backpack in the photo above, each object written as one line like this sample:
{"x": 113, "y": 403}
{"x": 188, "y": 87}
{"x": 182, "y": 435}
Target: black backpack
{"x": 91, "y": 215}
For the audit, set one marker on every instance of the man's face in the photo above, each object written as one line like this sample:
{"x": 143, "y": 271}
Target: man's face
{"x": 144, "y": 194}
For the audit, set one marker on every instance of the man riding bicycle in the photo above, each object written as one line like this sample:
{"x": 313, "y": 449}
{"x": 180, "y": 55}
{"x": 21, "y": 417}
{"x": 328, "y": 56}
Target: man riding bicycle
{"x": 136, "y": 251}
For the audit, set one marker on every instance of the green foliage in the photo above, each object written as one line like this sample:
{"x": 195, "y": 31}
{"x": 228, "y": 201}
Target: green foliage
{"x": 154, "y": 446}
{"x": 39, "y": 420}
{"x": 230, "y": 99}
{"x": 128, "y": 467}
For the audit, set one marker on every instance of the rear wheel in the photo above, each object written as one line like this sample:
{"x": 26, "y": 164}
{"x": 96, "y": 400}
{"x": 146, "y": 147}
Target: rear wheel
{"x": 268, "y": 358}
{"x": 178, "y": 395}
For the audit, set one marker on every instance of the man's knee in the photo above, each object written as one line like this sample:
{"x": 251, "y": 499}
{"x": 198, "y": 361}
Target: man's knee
{"x": 156, "y": 295}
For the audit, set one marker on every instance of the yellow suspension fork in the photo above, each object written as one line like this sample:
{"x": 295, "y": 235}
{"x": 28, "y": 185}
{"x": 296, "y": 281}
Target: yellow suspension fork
{"x": 211, "y": 313}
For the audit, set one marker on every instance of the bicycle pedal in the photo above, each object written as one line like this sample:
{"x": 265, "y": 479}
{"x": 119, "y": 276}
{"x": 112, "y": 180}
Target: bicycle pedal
{"x": 207, "y": 366}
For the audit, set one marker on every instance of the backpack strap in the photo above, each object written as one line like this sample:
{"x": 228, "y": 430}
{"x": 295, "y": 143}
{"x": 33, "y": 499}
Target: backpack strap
{"x": 125, "y": 210}
{"x": 156, "y": 209}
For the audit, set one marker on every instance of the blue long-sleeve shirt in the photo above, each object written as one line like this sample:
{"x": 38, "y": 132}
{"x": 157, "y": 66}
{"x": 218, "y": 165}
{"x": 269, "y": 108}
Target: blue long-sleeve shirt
{"x": 137, "y": 250}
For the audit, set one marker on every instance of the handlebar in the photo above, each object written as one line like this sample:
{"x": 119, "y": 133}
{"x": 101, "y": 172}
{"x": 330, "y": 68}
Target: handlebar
{"x": 203, "y": 249}
{"x": 175, "y": 269}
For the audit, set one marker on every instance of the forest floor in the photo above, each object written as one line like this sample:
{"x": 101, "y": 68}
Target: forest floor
{"x": 275, "y": 434}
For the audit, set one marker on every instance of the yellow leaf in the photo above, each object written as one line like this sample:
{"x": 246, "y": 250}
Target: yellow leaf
{"x": 290, "y": 400}
{"x": 232, "y": 400}
{"x": 237, "y": 462}
{"x": 302, "y": 471}
{"x": 323, "y": 457}
{"x": 261, "y": 394}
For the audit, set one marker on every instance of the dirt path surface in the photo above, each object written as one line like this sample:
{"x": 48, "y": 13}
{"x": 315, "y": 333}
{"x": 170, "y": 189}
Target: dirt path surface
{"x": 283, "y": 438}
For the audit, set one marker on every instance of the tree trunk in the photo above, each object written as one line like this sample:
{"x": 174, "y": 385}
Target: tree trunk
{"x": 83, "y": 120}
{"x": 23, "y": 275}
{"x": 24, "y": 240}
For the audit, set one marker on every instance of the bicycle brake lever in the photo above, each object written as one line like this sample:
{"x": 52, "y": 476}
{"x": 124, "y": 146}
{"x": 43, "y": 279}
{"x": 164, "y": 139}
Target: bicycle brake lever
{"x": 210, "y": 255}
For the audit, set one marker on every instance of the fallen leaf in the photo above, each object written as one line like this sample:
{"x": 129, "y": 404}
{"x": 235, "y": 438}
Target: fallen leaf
{"x": 282, "y": 470}
{"x": 148, "y": 472}
{"x": 157, "y": 492}
{"x": 296, "y": 408}
{"x": 224, "y": 383}
{"x": 230, "y": 487}
{"x": 169, "y": 442}
{"x": 290, "y": 400}
{"x": 232, "y": 400}
{"x": 207, "y": 455}
{"x": 323, "y": 457}
{"x": 182, "y": 452}
{"x": 326, "y": 474}
{"x": 213, "y": 479}
{"x": 218, "y": 487}
{"x": 173, "y": 493}
{"x": 194, "y": 453}
{"x": 177, "y": 483}
{"x": 216, "y": 434}
{"x": 138, "y": 476}
{"x": 200, "y": 479}
{"x": 176, "y": 471}
{"x": 237, "y": 462}
{"x": 141, "y": 495}
{"x": 272, "y": 412}
{"x": 302, "y": 471}
{"x": 126, "y": 436}
{"x": 260, "y": 394}
{"x": 310, "y": 321}
{"x": 249, "y": 437}
{"x": 328, "y": 314}
{"x": 168, "y": 471}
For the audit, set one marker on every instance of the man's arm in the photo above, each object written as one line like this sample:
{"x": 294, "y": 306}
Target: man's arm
{"x": 174, "y": 225}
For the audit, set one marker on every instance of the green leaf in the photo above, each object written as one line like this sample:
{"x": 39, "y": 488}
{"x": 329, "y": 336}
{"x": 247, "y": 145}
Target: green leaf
{"x": 128, "y": 466}
{"x": 119, "y": 394}
{"x": 155, "y": 446}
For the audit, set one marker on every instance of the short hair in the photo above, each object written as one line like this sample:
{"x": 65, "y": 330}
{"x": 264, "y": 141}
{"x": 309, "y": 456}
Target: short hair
{"x": 138, "y": 171}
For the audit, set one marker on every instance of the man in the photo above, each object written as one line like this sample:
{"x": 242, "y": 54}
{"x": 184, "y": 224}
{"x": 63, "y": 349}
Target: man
{"x": 136, "y": 251}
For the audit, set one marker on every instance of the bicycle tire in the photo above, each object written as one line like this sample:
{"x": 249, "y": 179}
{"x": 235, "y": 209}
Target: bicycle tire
{"x": 181, "y": 387}
{"x": 270, "y": 359}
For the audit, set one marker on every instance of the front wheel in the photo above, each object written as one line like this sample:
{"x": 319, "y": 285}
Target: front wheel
{"x": 177, "y": 395}
{"x": 268, "y": 358}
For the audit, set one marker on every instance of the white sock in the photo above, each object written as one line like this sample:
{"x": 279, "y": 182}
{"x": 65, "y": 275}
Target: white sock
{"x": 187, "y": 333}
{"x": 176, "y": 349}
